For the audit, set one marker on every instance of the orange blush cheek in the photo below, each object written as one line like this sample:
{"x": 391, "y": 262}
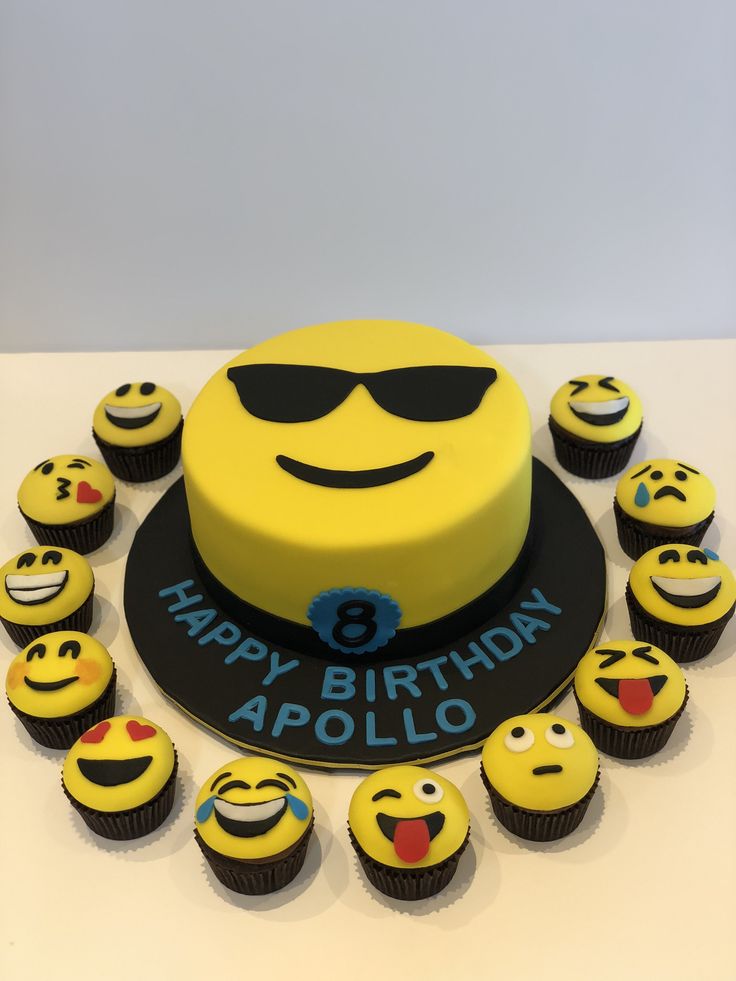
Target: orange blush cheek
{"x": 88, "y": 671}
{"x": 16, "y": 674}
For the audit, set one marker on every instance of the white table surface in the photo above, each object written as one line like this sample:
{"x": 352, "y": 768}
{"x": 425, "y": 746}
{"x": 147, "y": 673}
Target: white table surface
{"x": 643, "y": 889}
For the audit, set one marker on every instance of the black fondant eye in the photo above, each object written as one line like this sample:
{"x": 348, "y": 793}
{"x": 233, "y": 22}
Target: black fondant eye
{"x": 78, "y": 464}
{"x": 72, "y": 647}
{"x": 613, "y": 656}
{"x": 606, "y": 383}
{"x": 579, "y": 386}
{"x": 428, "y": 791}
{"x": 669, "y": 555}
{"x": 123, "y": 390}
{"x": 643, "y": 653}
{"x": 148, "y": 388}
{"x": 656, "y": 474}
{"x": 519, "y": 740}
{"x": 38, "y": 650}
{"x": 388, "y": 792}
{"x": 695, "y": 555}
{"x": 47, "y": 468}
{"x": 680, "y": 475}
{"x": 52, "y": 556}
{"x": 559, "y": 736}
{"x": 27, "y": 558}
{"x": 279, "y": 784}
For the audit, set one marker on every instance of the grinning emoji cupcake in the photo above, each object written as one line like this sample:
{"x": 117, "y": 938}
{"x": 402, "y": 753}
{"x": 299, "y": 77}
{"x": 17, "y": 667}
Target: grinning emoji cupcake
{"x": 662, "y": 502}
{"x": 630, "y": 696}
{"x": 680, "y": 598}
{"x": 409, "y": 827}
{"x": 69, "y": 501}
{"x": 120, "y": 775}
{"x": 540, "y": 772}
{"x": 45, "y": 589}
{"x": 138, "y": 429}
{"x": 60, "y": 685}
{"x": 253, "y": 821}
{"x": 595, "y": 421}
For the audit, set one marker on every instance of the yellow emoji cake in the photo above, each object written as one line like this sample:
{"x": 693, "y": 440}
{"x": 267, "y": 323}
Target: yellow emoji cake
{"x": 253, "y": 821}
{"x": 409, "y": 827}
{"x": 540, "y": 772}
{"x": 60, "y": 685}
{"x": 138, "y": 429}
{"x": 45, "y": 589}
{"x": 595, "y": 421}
{"x": 680, "y": 598}
{"x": 69, "y": 501}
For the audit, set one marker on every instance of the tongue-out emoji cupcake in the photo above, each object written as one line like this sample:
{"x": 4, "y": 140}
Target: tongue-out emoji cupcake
{"x": 409, "y": 827}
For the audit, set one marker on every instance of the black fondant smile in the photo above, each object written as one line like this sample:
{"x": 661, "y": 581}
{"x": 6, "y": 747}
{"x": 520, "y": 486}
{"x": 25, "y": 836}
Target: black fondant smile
{"x": 50, "y": 685}
{"x": 539, "y": 771}
{"x": 39, "y": 587}
{"x": 669, "y": 491}
{"x": 120, "y": 416}
{"x": 354, "y": 478}
{"x": 388, "y": 824}
{"x": 113, "y": 773}
{"x": 610, "y": 685}
{"x": 693, "y": 602}
{"x": 248, "y": 823}
{"x": 603, "y": 418}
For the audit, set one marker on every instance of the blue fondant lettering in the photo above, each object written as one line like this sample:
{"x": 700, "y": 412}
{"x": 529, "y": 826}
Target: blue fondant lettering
{"x": 398, "y": 676}
{"x": 224, "y": 633}
{"x": 371, "y": 739}
{"x": 197, "y": 620}
{"x": 526, "y": 626}
{"x": 370, "y": 685}
{"x": 412, "y": 735}
{"x": 277, "y": 668}
{"x": 454, "y": 703}
{"x": 253, "y": 711}
{"x": 320, "y": 727}
{"x": 251, "y": 649}
{"x": 338, "y": 684}
{"x": 488, "y": 640}
{"x": 289, "y": 715}
{"x": 179, "y": 590}
{"x": 641, "y": 498}
{"x": 298, "y": 808}
{"x": 464, "y": 664}
{"x": 540, "y": 603}
{"x": 433, "y": 666}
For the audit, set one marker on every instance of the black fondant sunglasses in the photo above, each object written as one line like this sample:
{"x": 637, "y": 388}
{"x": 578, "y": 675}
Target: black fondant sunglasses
{"x": 301, "y": 393}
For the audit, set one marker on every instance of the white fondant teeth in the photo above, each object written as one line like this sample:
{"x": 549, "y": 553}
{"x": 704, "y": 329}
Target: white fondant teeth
{"x": 250, "y": 812}
{"x": 35, "y": 588}
{"x": 686, "y": 587}
{"x": 600, "y": 408}
{"x": 139, "y": 412}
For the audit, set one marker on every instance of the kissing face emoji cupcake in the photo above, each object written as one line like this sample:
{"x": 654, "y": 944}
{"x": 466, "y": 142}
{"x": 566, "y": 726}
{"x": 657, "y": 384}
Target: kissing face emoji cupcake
{"x": 253, "y": 821}
{"x": 409, "y": 827}
{"x": 680, "y": 598}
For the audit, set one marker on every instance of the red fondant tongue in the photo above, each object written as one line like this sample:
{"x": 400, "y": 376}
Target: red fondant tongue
{"x": 86, "y": 494}
{"x": 635, "y": 695}
{"x": 411, "y": 840}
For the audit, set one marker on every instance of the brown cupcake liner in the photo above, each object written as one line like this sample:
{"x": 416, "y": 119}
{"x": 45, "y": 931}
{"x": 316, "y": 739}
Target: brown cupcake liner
{"x": 63, "y": 732}
{"x": 683, "y": 644}
{"x": 637, "y": 537}
{"x": 408, "y": 884}
{"x": 538, "y": 825}
{"x": 628, "y": 742}
{"x": 134, "y": 823}
{"x": 588, "y": 459}
{"x": 80, "y": 536}
{"x": 80, "y": 619}
{"x": 138, "y": 464}
{"x": 256, "y": 878}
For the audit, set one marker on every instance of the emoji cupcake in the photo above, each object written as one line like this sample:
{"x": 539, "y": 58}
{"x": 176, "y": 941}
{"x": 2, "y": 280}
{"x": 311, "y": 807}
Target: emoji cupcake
{"x": 120, "y": 775}
{"x": 138, "y": 429}
{"x": 595, "y": 421}
{"x": 409, "y": 827}
{"x": 662, "y": 502}
{"x": 45, "y": 589}
{"x": 540, "y": 772}
{"x": 60, "y": 685}
{"x": 69, "y": 501}
{"x": 680, "y": 598}
{"x": 253, "y": 822}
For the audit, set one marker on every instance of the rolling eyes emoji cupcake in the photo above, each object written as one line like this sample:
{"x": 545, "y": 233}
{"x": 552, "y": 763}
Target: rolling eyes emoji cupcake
{"x": 409, "y": 827}
{"x": 662, "y": 502}
{"x": 254, "y": 818}
{"x": 60, "y": 685}
{"x": 540, "y": 772}
{"x": 680, "y": 598}
{"x": 630, "y": 696}
{"x": 595, "y": 421}
{"x": 45, "y": 589}
{"x": 138, "y": 430}
{"x": 69, "y": 501}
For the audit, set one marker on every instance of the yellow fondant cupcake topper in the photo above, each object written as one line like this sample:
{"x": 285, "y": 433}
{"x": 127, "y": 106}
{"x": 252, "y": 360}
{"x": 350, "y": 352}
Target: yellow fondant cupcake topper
{"x": 65, "y": 489}
{"x": 668, "y": 493}
{"x": 44, "y": 585}
{"x": 599, "y": 408}
{"x": 136, "y": 414}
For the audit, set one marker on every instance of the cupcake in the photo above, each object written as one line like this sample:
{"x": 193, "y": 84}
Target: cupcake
{"x": 409, "y": 827}
{"x": 253, "y": 822}
{"x": 595, "y": 421}
{"x": 630, "y": 696}
{"x": 138, "y": 430}
{"x": 45, "y": 589}
{"x": 540, "y": 772}
{"x": 680, "y": 598}
{"x": 662, "y": 502}
{"x": 60, "y": 685}
{"x": 69, "y": 501}
{"x": 120, "y": 775}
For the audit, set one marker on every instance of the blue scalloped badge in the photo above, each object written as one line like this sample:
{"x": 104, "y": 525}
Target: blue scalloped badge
{"x": 354, "y": 620}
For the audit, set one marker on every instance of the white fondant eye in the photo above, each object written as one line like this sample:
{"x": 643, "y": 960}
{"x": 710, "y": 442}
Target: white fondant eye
{"x": 428, "y": 791}
{"x": 559, "y": 736}
{"x": 519, "y": 740}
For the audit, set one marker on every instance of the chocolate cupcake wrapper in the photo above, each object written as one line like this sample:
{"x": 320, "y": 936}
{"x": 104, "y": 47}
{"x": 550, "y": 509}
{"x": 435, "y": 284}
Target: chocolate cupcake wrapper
{"x": 584, "y": 458}
{"x": 538, "y": 825}
{"x": 636, "y": 538}
{"x": 81, "y": 619}
{"x": 408, "y": 884}
{"x": 80, "y": 536}
{"x": 135, "y": 823}
{"x": 62, "y": 733}
{"x": 624, "y": 742}
{"x": 138, "y": 464}
{"x": 256, "y": 878}
{"x": 683, "y": 644}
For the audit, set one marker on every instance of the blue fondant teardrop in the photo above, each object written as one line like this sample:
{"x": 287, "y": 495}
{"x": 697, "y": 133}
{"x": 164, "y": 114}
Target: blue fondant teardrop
{"x": 641, "y": 498}
{"x": 205, "y": 809}
{"x": 298, "y": 808}
{"x": 711, "y": 554}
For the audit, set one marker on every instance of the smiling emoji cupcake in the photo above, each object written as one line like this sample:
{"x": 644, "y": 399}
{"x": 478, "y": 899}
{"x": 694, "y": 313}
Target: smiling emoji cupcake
{"x": 540, "y": 772}
{"x": 409, "y": 827}
{"x": 680, "y": 598}
{"x": 253, "y": 821}
{"x": 138, "y": 429}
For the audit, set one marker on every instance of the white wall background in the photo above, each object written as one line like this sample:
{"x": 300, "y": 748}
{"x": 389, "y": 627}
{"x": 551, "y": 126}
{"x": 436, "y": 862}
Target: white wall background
{"x": 201, "y": 174}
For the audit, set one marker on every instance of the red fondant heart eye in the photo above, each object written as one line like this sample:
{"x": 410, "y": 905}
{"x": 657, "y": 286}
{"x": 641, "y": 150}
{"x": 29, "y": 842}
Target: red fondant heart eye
{"x": 86, "y": 494}
{"x": 97, "y": 734}
{"x": 136, "y": 731}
